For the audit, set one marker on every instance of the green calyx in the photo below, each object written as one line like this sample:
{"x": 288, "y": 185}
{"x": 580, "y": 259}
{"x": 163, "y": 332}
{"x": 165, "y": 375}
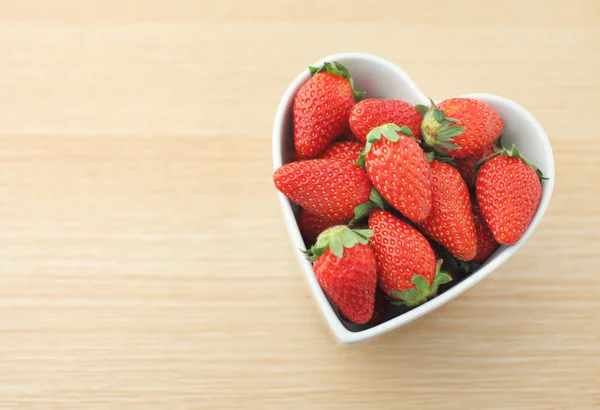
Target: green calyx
{"x": 337, "y": 238}
{"x": 375, "y": 202}
{"x": 389, "y": 131}
{"x": 338, "y": 69}
{"x": 439, "y": 130}
{"x": 452, "y": 263}
{"x": 422, "y": 109}
{"x": 422, "y": 290}
{"x": 514, "y": 153}
{"x": 440, "y": 155}
{"x": 430, "y": 156}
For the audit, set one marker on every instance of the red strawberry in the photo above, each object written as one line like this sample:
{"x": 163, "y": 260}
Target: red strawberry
{"x": 466, "y": 166}
{"x": 486, "y": 244}
{"x": 399, "y": 170}
{"x": 508, "y": 190}
{"x": 371, "y": 113}
{"x": 312, "y": 225}
{"x": 321, "y": 108}
{"x": 347, "y": 135}
{"x": 325, "y": 187}
{"x": 346, "y": 269}
{"x": 406, "y": 267}
{"x": 479, "y": 126}
{"x": 450, "y": 222}
{"x": 344, "y": 151}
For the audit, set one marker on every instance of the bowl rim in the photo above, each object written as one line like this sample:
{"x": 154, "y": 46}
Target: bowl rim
{"x": 344, "y": 335}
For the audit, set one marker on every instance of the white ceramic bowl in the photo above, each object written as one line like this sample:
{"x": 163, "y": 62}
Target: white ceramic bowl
{"x": 382, "y": 79}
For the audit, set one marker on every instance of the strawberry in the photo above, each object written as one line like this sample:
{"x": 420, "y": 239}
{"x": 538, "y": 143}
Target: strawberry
{"x": 347, "y": 135}
{"x": 346, "y": 269}
{"x": 466, "y": 166}
{"x": 508, "y": 191}
{"x": 399, "y": 170}
{"x": 406, "y": 266}
{"x": 450, "y": 222}
{"x": 322, "y": 107}
{"x": 486, "y": 244}
{"x": 479, "y": 126}
{"x": 371, "y": 113}
{"x": 325, "y": 187}
{"x": 312, "y": 225}
{"x": 380, "y": 312}
{"x": 345, "y": 151}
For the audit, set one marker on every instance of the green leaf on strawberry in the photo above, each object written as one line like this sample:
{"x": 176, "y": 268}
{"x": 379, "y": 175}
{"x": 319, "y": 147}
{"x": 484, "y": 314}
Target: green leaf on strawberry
{"x": 406, "y": 131}
{"x": 460, "y": 126}
{"x": 375, "y": 202}
{"x": 514, "y": 153}
{"x": 336, "y": 239}
{"x": 376, "y": 198}
{"x": 363, "y": 210}
{"x": 422, "y": 109}
{"x": 438, "y": 115}
{"x": 439, "y": 155}
{"x": 439, "y": 129}
{"x": 422, "y": 290}
{"x": 338, "y": 69}
{"x": 389, "y": 131}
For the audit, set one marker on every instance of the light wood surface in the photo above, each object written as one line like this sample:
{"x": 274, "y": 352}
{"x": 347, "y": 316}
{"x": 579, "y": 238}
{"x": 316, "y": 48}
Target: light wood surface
{"x": 143, "y": 258}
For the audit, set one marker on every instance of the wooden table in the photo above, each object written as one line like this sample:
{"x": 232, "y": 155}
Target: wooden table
{"x": 143, "y": 257}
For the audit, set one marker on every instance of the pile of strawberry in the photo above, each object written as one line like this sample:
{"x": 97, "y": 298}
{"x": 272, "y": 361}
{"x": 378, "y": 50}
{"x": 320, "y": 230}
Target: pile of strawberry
{"x": 386, "y": 188}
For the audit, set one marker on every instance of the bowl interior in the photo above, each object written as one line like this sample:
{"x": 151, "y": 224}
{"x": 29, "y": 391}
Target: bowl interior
{"x": 382, "y": 79}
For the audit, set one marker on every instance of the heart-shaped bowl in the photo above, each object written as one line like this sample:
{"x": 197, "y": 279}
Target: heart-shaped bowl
{"x": 382, "y": 79}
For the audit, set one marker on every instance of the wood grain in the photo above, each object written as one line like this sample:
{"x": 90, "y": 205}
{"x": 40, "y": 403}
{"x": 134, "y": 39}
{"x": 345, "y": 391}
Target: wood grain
{"x": 143, "y": 258}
